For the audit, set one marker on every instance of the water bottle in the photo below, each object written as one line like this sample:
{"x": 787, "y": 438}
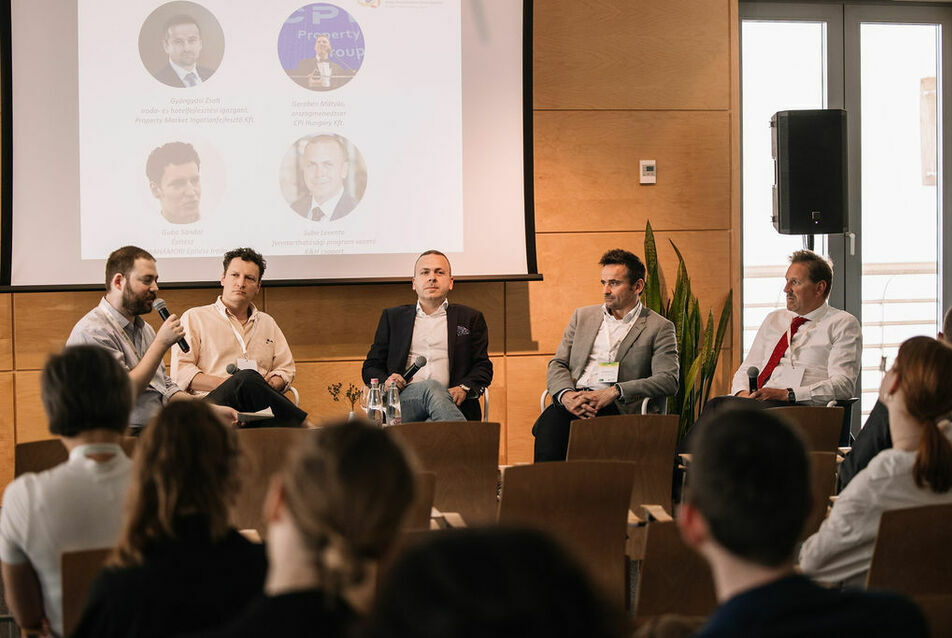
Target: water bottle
{"x": 393, "y": 405}
{"x": 375, "y": 406}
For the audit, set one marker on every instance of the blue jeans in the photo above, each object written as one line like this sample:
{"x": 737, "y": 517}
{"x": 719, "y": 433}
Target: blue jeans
{"x": 428, "y": 401}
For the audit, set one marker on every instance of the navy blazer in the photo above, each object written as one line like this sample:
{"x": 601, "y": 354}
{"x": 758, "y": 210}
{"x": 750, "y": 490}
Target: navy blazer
{"x": 467, "y": 341}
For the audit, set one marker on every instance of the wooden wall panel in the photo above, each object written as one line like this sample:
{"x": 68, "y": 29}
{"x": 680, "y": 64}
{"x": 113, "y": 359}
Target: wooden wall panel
{"x": 339, "y": 322}
{"x": 586, "y": 170}
{"x": 526, "y": 380}
{"x": 631, "y": 54}
{"x": 42, "y": 322}
{"x": 311, "y": 381}
{"x": 6, "y": 332}
{"x": 537, "y": 313}
{"x": 30, "y": 418}
{"x": 7, "y": 426}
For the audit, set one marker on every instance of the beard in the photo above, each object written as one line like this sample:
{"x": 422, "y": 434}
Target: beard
{"x": 137, "y": 304}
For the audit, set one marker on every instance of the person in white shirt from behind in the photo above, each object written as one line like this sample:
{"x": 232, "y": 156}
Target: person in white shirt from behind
{"x": 916, "y": 471}
{"x": 78, "y": 504}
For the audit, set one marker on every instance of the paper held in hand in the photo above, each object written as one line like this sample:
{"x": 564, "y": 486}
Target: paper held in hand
{"x": 260, "y": 415}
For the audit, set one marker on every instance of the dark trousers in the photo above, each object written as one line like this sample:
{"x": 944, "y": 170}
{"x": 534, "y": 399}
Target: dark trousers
{"x": 247, "y": 391}
{"x": 871, "y": 440}
{"x": 551, "y": 431}
{"x": 717, "y": 404}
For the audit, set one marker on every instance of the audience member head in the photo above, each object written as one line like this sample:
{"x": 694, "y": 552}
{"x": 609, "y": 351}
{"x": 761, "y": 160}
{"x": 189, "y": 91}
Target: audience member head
{"x": 946, "y": 334}
{"x": 338, "y": 506}
{"x": 84, "y": 388}
{"x": 918, "y": 385}
{"x": 749, "y": 488}
{"x": 184, "y": 478}
{"x": 489, "y": 582}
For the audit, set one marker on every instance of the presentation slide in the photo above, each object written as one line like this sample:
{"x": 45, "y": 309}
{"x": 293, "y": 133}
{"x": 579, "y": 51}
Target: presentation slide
{"x": 340, "y": 139}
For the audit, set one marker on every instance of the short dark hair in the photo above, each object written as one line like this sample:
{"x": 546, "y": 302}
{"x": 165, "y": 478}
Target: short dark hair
{"x": 245, "y": 254}
{"x": 750, "y": 480}
{"x": 176, "y": 20}
{"x": 431, "y": 252}
{"x": 818, "y": 267}
{"x": 84, "y": 388}
{"x": 172, "y": 153}
{"x": 516, "y": 583}
{"x": 122, "y": 260}
{"x": 621, "y": 257}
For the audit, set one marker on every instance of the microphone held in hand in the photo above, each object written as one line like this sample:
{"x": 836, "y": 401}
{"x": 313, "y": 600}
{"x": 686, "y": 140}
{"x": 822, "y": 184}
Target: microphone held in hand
{"x": 231, "y": 368}
{"x": 160, "y": 307}
{"x": 418, "y": 363}
{"x": 752, "y": 374}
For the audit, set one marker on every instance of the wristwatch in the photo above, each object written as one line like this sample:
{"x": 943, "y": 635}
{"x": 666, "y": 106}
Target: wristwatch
{"x": 791, "y": 396}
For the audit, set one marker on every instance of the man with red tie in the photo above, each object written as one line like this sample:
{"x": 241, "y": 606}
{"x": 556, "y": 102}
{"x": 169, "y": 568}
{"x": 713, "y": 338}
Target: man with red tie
{"x": 823, "y": 361}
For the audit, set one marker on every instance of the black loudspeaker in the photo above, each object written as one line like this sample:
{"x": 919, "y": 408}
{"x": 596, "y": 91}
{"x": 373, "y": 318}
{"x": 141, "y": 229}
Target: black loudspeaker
{"x": 810, "y": 188}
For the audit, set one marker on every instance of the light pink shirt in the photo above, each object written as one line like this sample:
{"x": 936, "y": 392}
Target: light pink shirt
{"x": 210, "y": 331}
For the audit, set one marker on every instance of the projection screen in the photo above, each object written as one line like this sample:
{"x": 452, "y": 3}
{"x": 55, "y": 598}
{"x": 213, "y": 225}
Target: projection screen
{"x": 338, "y": 138}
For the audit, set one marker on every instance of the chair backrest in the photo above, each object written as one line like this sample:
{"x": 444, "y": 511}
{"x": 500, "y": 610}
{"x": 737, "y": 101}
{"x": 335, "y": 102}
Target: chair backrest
{"x": 820, "y": 425}
{"x": 912, "y": 553}
{"x": 647, "y": 440}
{"x": 418, "y": 517}
{"x": 264, "y": 451}
{"x": 79, "y": 569}
{"x": 822, "y": 486}
{"x": 464, "y": 456}
{"x": 37, "y": 456}
{"x": 937, "y": 608}
{"x": 583, "y": 505}
{"x": 673, "y": 578}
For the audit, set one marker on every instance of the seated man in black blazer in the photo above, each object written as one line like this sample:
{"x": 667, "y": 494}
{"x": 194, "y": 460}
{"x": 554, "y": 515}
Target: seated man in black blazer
{"x": 453, "y": 338}
{"x": 748, "y": 498}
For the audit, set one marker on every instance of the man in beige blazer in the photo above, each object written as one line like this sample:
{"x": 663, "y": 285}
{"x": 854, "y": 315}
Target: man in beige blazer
{"x": 611, "y": 357}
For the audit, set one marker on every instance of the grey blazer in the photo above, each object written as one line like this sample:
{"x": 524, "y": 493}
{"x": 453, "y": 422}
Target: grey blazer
{"x": 647, "y": 356}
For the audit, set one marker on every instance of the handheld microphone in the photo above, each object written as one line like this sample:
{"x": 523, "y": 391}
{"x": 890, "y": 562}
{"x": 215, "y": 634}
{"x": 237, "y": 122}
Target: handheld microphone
{"x": 752, "y": 374}
{"x": 418, "y": 363}
{"x": 231, "y": 368}
{"x": 160, "y": 307}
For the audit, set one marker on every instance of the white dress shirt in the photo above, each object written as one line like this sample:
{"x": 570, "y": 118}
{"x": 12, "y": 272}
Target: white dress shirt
{"x": 827, "y": 348}
{"x": 610, "y": 335}
{"x": 430, "y": 340}
{"x": 327, "y": 207}
{"x": 182, "y": 72}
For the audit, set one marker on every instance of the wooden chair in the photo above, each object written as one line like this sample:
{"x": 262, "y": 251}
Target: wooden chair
{"x": 583, "y": 505}
{"x": 912, "y": 552}
{"x": 648, "y": 441}
{"x": 673, "y": 579}
{"x": 937, "y": 608}
{"x": 419, "y": 515}
{"x": 264, "y": 451}
{"x": 38, "y": 456}
{"x": 79, "y": 570}
{"x": 820, "y": 425}
{"x": 822, "y": 486}
{"x": 464, "y": 456}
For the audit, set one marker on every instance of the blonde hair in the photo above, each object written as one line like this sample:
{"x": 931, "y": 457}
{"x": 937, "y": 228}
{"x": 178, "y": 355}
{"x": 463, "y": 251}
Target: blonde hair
{"x": 347, "y": 490}
{"x": 185, "y": 466}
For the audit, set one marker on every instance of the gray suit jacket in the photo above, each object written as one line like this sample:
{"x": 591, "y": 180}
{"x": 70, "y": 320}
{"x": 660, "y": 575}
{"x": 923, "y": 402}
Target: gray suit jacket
{"x": 647, "y": 356}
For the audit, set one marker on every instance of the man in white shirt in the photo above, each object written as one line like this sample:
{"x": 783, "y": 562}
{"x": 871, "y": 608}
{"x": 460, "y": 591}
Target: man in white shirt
{"x": 453, "y": 338}
{"x": 78, "y": 504}
{"x": 182, "y": 42}
{"x": 807, "y": 354}
{"x": 325, "y": 168}
{"x": 611, "y": 357}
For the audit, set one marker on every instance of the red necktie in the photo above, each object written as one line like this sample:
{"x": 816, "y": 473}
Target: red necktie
{"x": 778, "y": 351}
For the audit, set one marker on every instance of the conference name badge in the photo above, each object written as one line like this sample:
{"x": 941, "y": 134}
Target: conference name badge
{"x": 247, "y": 364}
{"x": 607, "y": 372}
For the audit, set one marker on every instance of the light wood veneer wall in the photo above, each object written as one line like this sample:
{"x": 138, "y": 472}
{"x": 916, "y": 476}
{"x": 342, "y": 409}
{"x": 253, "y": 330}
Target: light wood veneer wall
{"x": 615, "y": 81}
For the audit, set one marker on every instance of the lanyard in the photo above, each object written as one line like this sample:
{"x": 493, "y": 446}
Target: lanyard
{"x": 234, "y": 331}
{"x": 135, "y": 349}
